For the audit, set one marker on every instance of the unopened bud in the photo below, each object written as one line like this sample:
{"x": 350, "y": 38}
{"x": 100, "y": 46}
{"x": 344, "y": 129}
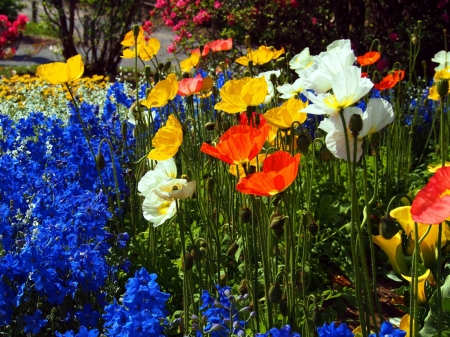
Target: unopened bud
{"x": 210, "y": 126}
{"x": 275, "y": 293}
{"x": 442, "y": 87}
{"x": 188, "y": 262}
{"x": 303, "y": 142}
{"x": 387, "y": 227}
{"x": 156, "y": 77}
{"x": 246, "y": 215}
{"x": 100, "y": 160}
{"x": 136, "y": 30}
{"x": 281, "y": 62}
{"x": 185, "y": 75}
{"x": 167, "y": 66}
{"x": 210, "y": 184}
{"x": 414, "y": 39}
{"x": 273, "y": 79}
{"x": 277, "y": 222}
{"x": 313, "y": 228}
{"x": 355, "y": 124}
{"x": 148, "y": 72}
{"x": 247, "y": 41}
{"x": 283, "y": 307}
{"x": 325, "y": 154}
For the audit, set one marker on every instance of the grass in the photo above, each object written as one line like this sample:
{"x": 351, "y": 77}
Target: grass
{"x": 9, "y": 71}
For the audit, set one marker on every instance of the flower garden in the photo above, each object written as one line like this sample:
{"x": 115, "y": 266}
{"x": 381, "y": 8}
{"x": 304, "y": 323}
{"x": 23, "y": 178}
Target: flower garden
{"x": 265, "y": 195}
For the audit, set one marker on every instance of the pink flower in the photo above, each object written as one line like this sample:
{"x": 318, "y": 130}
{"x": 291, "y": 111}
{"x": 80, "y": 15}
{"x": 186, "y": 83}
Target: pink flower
{"x": 231, "y": 19}
{"x": 161, "y": 3}
{"x": 171, "y": 48}
{"x": 202, "y": 17}
{"x": 169, "y": 23}
{"x": 393, "y": 37}
{"x": 217, "y": 4}
{"x": 314, "y": 21}
{"x": 152, "y": 12}
{"x": 294, "y": 4}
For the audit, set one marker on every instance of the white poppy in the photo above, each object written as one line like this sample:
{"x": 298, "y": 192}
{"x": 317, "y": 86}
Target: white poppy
{"x": 164, "y": 170}
{"x": 288, "y": 90}
{"x": 348, "y": 87}
{"x": 378, "y": 114}
{"x": 270, "y": 87}
{"x": 302, "y": 60}
{"x": 443, "y": 58}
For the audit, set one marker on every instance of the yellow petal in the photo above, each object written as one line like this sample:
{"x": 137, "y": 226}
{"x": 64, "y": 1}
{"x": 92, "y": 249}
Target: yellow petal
{"x": 393, "y": 249}
{"x": 254, "y": 92}
{"x": 243, "y": 60}
{"x": 128, "y": 53}
{"x": 76, "y": 67}
{"x": 421, "y": 280}
{"x": 404, "y": 218}
{"x": 405, "y": 324}
{"x": 167, "y": 140}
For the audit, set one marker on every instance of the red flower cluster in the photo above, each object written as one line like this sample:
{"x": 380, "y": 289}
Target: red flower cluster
{"x": 9, "y": 34}
{"x": 390, "y": 80}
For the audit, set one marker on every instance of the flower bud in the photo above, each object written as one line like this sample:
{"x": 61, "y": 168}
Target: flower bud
{"x": 246, "y": 73}
{"x": 167, "y": 66}
{"x": 210, "y": 184}
{"x": 442, "y": 87}
{"x": 247, "y": 41}
{"x": 210, "y": 126}
{"x": 281, "y": 62}
{"x": 148, "y": 72}
{"x": 277, "y": 222}
{"x": 246, "y": 215}
{"x": 325, "y": 154}
{"x": 414, "y": 39}
{"x": 273, "y": 79}
{"x": 100, "y": 160}
{"x": 160, "y": 66}
{"x": 303, "y": 142}
{"x": 250, "y": 66}
{"x": 243, "y": 289}
{"x": 232, "y": 249}
{"x": 275, "y": 293}
{"x": 355, "y": 124}
{"x": 124, "y": 129}
{"x": 185, "y": 75}
{"x": 283, "y": 306}
{"x": 387, "y": 227}
{"x": 313, "y": 228}
{"x": 136, "y": 30}
{"x": 187, "y": 262}
{"x": 156, "y": 77}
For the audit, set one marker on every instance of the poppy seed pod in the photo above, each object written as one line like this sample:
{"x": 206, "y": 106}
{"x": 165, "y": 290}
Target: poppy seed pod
{"x": 136, "y": 30}
{"x": 442, "y": 87}
{"x": 148, "y": 72}
{"x": 273, "y": 78}
{"x": 278, "y": 232}
{"x": 100, "y": 160}
{"x": 387, "y": 227}
{"x": 246, "y": 215}
{"x": 160, "y": 66}
{"x": 355, "y": 125}
{"x": 156, "y": 77}
{"x": 303, "y": 142}
{"x": 275, "y": 293}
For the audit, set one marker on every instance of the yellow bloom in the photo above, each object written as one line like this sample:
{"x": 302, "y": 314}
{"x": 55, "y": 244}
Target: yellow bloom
{"x": 428, "y": 245}
{"x": 128, "y": 40}
{"x": 434, "y": 167}
{"x": 289, "y": 112}
{"x": 146, "y": 50}
{"x": 237, "y": 95}
{"x": 405, "y": 324}
{"x": 421, "y": 280}
{"x": 191, "y": 62}
{"x": 443, "y": 74}
{"x": 167, "y": 140}
{"x": 59, "y": 72}
{"x": 393, "y": 249}
{"x": 260, "y": 56}
{"x": 162, "y": 92}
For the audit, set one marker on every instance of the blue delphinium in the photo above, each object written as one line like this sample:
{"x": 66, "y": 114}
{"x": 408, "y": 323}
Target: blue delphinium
{"x": 34, "y": 323}
{"x": 142, "y": 311}
{"x": 387, "y": 330}
{"x": 330, "y": 330}
{"x": 285, "y": 331}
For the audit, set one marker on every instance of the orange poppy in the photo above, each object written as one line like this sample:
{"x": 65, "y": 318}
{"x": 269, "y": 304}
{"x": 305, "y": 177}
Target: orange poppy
{"x": 238, "y": 145}
{"x": 432, "y": 204}
{"x": 368, "y": 58}
{"x": 390, "y": 80}
{"x": 220, "y": 45}
{"x": 278, "y": 173}
{"x": 190, "y": 86}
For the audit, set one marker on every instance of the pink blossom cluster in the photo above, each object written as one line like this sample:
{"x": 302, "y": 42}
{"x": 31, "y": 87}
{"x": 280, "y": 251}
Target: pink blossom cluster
{"x": 202, "y": 17}
{"x": 10, "y": 33}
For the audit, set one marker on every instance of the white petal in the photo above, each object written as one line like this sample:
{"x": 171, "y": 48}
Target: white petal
{"x": 349, "y": 87}
{"x": 335, "y": 142}
{"x": 379, "y": 113}
{"x": 165, "y": 169}
{"x": 157, "y": 210}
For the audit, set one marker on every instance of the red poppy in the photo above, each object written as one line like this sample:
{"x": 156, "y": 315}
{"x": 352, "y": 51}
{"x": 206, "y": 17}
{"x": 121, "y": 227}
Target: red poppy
{"x": 278, "y": 173}
{"x": 190, "y": 86}
{"x": 238, "y": 145}
{"x": 220, "y": 45}
{"x": 390, "y": 80}
{"x": 368, "y": 58}
{"x": 257, "y": 120}
{"x": 432, "y": 203}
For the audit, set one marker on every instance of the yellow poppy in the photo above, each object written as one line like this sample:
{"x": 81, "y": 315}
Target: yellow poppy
{"x": 421, "y": 280}
{"x": 428, "y": 245}
{"x": 191, "y": 62}
{"x": 393, "y": 250}
{"x": 260, "y": 56}
{"x": 59, "y": 72}
{"x": 289, "y": 112}
{"x": 162, "y": 92}
{"x": 146, "y": 50}
{"x": 434, "y": 167}
{"x": 167, "y": 140}
{"x": 129, "y": 40}
{"x": 237, "y": 95}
